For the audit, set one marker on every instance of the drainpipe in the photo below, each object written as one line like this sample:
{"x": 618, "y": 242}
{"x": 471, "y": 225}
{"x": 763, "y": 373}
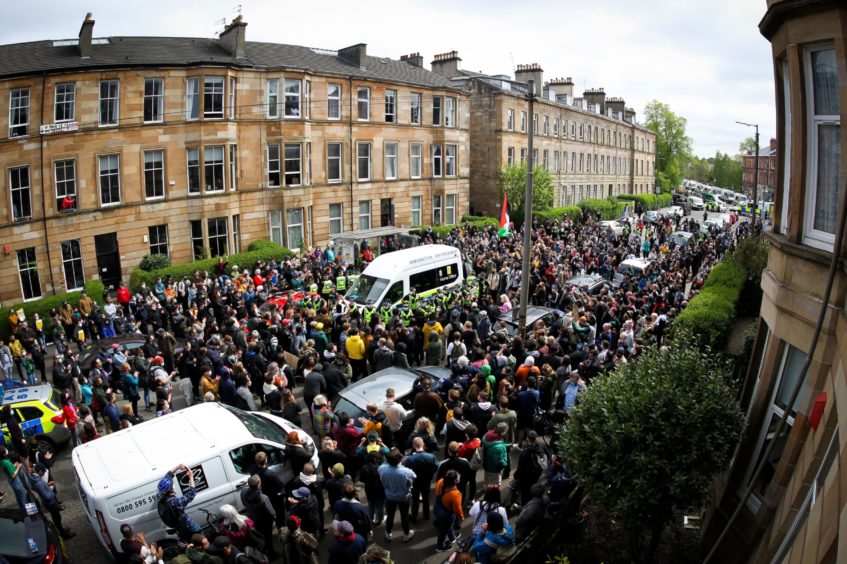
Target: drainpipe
{"x": 44, "y": 198}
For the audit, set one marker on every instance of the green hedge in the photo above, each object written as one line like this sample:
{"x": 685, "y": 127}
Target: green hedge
{"x": 573, "y": 213}
{"x": 710, "y": 315}
{"x": 649, "y": 201}
{"x": 43, "y": 306}
{"x": 609, "y": 209}
{"x": 258, "y": 250}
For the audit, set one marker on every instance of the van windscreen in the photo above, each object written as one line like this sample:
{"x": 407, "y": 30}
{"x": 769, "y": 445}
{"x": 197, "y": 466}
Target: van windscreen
{"x": 259, "y": 427}
{"x": 367, "y": 289}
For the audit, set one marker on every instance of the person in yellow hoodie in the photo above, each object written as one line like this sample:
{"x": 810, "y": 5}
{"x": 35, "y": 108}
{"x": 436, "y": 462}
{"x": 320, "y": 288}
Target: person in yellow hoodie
{"x": 356, "y": 353}
{"x": 17, "y": 349}
{"x": 431, "y": 325}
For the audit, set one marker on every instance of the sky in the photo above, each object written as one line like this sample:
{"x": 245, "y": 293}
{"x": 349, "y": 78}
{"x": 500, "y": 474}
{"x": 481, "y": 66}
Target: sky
{"x": 706, "y": 60}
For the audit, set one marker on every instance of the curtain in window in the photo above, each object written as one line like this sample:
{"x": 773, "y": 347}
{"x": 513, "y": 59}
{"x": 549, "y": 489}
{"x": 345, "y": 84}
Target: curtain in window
{"x": 829, "y": 159}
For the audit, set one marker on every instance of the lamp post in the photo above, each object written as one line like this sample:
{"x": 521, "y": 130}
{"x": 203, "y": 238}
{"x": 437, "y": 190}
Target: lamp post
{"x": 755, "y": 170}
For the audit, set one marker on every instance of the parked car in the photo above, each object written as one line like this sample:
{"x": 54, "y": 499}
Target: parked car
{"x": 681, "y": 238}
{"x": 652, "y": 216}
{"x": 675, "y": 211}
{"x": 129, "y": 342}
{"x": 593, "y": 283}
{"x": 35, "y": 407}
{"x": 616, "y": 225}
{"x": 720, "y": 221}
{"x": 695, "y": 203}
{"x": 630, "y": 267}
{"x": 533, "y": 315}
{"x": 29, "y": 539}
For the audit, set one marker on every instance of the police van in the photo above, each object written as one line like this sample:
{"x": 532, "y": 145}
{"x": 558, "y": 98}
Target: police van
{"x": 117, "y": 474}
{"x": 391, "y": 277}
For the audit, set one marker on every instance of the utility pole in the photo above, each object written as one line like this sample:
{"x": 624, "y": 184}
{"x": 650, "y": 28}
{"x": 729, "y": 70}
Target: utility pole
{"x": 527, "y": 217}
{"x": 755, "y": 170}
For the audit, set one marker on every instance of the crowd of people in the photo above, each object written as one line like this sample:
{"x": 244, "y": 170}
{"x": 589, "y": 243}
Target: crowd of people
{"x": 219, "y": 336}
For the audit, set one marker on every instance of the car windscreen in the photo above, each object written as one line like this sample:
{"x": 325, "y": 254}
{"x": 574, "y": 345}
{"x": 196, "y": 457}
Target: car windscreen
{"x": 351, "y": 410}
{"x": 367, "y": 289}
{"x": 259, "y": 427}
{"x": 15, "y": 533}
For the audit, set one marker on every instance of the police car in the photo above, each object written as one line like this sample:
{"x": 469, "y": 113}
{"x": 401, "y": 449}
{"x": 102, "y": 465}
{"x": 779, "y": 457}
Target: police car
{"x": 35, "y": 406}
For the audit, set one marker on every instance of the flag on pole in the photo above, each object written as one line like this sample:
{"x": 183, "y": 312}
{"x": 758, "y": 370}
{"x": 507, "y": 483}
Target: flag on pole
{"x": 504, "y": 219}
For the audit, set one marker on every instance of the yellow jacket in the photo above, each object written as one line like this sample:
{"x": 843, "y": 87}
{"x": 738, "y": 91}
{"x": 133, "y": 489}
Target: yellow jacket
{"x": 355, "y": 347}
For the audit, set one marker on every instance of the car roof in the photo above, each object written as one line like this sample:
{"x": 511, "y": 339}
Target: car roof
{"x": 583, "y": 279}
{"x": 28, "y": 393}
{"x": 388, "y": 265}
{"x": 129, "y": 457}
{"x": 636, "y": 262}
{"x": 533, "y": 314}
{"x": 372, "y": 388}
{"x": 685, "y": 234}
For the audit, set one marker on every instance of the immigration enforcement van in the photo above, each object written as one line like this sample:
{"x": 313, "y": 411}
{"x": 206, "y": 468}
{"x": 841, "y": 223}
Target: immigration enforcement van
{"x": 391, "y": 277}
{"x": 117, "y": 474}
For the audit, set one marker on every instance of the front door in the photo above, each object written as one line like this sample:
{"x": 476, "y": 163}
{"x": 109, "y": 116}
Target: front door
{"x": 386, "y": 212}
{"x": 108, "y": 258}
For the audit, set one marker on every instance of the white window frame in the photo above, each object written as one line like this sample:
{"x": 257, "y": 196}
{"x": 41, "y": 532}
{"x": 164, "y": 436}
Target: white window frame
{"x": 415, "y": 160}
{"x": 24, "y": 190}
{"x": 545, "y": 163}
{"x": 218, "y": 236}
{"x": 415, "y": 108}
{"x": 417, "y": 210}
{"x": 437, "y": 111}
{"x": 450, "y": 209}
{"x": 363, "y": 103}
{"x": 307, "y": 165}
{"x": 293, "y": 102}
{"x": 510, "y": 119}
{"x": 333, "y": 101}
{"x": 100, "y": 177}
{"x": 211, "y": 83}
{"x": 336, "y": 220}
{"x": 274, "y": 159}
{"x": 555, "y": 127}
{"x": 232, "y": 92}
{"x": 510, "y": 156}
{"x": 112, "y": 102}
{"x": 33, "y": 266}
{"x": 546, "y": 125}
{"x": 189, "y": 166}
{"x": 523, "y": 122}
{"x": 233, "y": 167}
{"x": 157, "y": 229}
{"x": 73, "y": 262}
{"x": 68, "y": 99}
{"x": 22, "y": 93}
{"x": 307, "y": 98}
{"x": 391, "y": 155}
{"x": 365, "y": 217}
{"x": 156, "y": 98}
{"x": 338, "y": 158}
{"x": 153, "y": 169}
{"x": 192, "y": 98}
{"x": 437, "y": 155}
{"x": 198, "y": 242}
{"x": 236, "y": 233}
{"x": 451, "y": 111}
{"x": 535, "y": 124}
{"x": 214, "y": 163}
{"x": 390, "y": 106}
{"x": 360, "y": 158}
{"x": 811, "y": 236}
{"x": 451, "y": 161}
{"x": 292, "y": 161}
{"x": 786, "y": 175}
{"x": 437, "y": 211}
{"x": 275, "y": 226}
{"x": 272, "y": 93}
{"x": 293, "y": 223}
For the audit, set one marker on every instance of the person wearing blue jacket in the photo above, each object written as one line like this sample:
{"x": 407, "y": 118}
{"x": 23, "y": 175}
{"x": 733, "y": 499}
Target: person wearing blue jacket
{"x": 47, "y": 494}
{"x": 397, "y": 481}
{"x": 495, "y": 534}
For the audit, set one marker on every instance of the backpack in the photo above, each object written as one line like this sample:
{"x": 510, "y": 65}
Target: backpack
{"x": 456, "y": 352}
{"x": 251, "y": 556}
{"x": 476, "y": 459}
{"x": 167, "y": 513}
{"x": 502, "y": 553}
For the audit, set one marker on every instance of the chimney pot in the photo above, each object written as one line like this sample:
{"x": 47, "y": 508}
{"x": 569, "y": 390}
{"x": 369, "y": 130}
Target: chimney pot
{"x": 445, "y": 64}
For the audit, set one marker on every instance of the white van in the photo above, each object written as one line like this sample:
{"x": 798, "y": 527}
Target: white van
{"x": 391, "y": 277}
{"x": 117, "y": 474}
{"x": 630, "y": 267}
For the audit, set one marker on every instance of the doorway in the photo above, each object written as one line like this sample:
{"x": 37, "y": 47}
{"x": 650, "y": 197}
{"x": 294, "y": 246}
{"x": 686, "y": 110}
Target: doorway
{"x": 108, "y": 258}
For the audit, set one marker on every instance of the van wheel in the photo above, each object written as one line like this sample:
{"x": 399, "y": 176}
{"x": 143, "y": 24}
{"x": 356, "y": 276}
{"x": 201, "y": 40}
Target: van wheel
{"x": 46, "y": 444}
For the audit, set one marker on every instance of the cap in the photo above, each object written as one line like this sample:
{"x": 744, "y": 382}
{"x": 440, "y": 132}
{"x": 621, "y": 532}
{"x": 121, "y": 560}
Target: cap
{"x": 221, "y": 542}
{"x": 160, "y": 331}
{"x": 345, "y": 527}
{"x": 115, "y": 346}
{"x": 40, "y": 467}
{"x": 337, "y": 469}
{"x": 301, "y": 492}
{"x": 158, "y": 360}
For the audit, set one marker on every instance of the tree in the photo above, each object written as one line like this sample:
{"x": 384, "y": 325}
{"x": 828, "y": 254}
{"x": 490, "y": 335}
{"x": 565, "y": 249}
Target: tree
{"x": 513, "y": 183}
{"x": 698, "y": 169}
{"x": 748, "y": 146}
{"x": 673, "y": 146}
{"x": 650, "y": 437}
{"x": 727, "y": 171}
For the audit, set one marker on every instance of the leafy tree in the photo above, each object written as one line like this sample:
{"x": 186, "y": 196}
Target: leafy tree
{"x": 748, "y": 146}
{"x": 650, "y": 437}
{"x": 513, "y": 183}
{"x": 673, "y": 146}
{"x": 698, "y": 169}
{"x": 727, "y": 171}
{"x": 154, "y": 262}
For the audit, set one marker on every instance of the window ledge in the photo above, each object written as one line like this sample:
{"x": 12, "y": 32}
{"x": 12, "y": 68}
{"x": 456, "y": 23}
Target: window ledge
{"x": 805, "y": 252}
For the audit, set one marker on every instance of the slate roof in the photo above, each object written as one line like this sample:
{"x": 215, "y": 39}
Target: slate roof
{"x": 41, "y": 56}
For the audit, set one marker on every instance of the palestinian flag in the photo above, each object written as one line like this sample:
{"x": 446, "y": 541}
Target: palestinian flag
{"x": 504, "y": 219}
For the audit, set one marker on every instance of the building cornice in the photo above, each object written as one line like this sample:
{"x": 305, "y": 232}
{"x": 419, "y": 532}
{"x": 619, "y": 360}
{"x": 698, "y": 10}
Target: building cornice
{"x": 779, "y": 12}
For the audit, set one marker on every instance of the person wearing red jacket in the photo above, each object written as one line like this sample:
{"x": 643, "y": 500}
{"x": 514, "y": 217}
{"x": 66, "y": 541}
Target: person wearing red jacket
{"x": 123, "y": 297}
{"x": 70, "y": 417}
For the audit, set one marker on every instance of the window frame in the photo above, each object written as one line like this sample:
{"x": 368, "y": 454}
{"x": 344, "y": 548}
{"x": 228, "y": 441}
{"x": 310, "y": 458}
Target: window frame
{"x": 218, "y": 236}
{"x": 437, "y": 211}
{"x": 160, "y": 169}
{"x": 157, "y": 101}
{"x": 272, "y": 98}
{"x": 510, "y": 119}
{"x": 292, "y": 101}
{"x": 436, "y": 154}
{"x": 451, "y": 161}
{"x": 19, "y": 109}
{"x": 197, "y": 252}
{"x": 289, "y": 225}
{"x": 339, "y": 219}
{"x": 394, "y": 156}
{"x": 450, "y": 210}
{"x": 20, "y": 188}
{"x": 337, "y": 158}
{"x": 274, "y": 165}
{"x": 390, "y": 102}
{"x": 207, "y": 163}
{"x": 189, "y": 167}
{"x": 437, "y": 111}
{"x": 210, "y": 95}
{"x": 112, "y": 103}
{"x": 451, "y": 111}
{"x": 415, "y": 99}
{"x": 366, "y": 100}
{"x": 116, "y": 176}
{"x": 360, "y": 158}
{"x": 233, "y": 166}
{"x": 275, "y": 227}
{"x": 32, "y": 269}
{"x": 510, "y": 156}
{"x": 523, "y": 122}
{"x": 330, "y": 99}
{"x": 155, "y": 232}
{"x": 73, "y": 260}
{"x": 367, "y": 216}
{"x": 415, "y": 161}
{"x": 192, "y": 98}
{"x": 417, "y": 208}
{"x": 65, "y": 102}
{"x": 292, "y": 174}
{"x": 232, "y": 86}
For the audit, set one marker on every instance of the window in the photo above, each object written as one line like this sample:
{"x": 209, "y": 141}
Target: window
{"x": 565, "y": 161}
{"x": 197, "y": 247}
{"x": 154, "y": 100}
{"x": 437, "y": 154}
{"x": 213, "y": 161}
{"x": 336, "y": 219}
{"x": 276, "y": 227}
{"x": 555, "y": 127}
{"x": 523, "y": 122}
{"x": 564, "y": 129}
{"x": 417, "y": 204}
{"x": 19, "y": 112}
{"x": 307, "y": 97}
{"x": 20, "y": 192}
{"x": 192, "y": 97}
{"x": 273, "y": 98}
{"x": 110, "y": 184}
{"x": 416, "y": 162}
{"x": 546, "y": 162}
{"x": 28, "y": 271}
{"x": 535, "y": 157}
{"x": 824, "y": 150}
{"x": 273, "y": 165}
{"x": 364, "y": 214}
{"x": 573, "y": 130}
{"x": 154, "y": 174}
{"x": 363, "y": 98}
{"x": 546, "y": 126}
{"x": 786, "y": 175}
{"x": 65, "y": 103}
{"x": 65, "y": 185}
{"x": 308, "y": 166}
{"x": 293, "y": 164}
{"x": 333, "y": 101}
{"x": 535, "y": 123}
{"x": 217, "y": 237}
{"x": 72, "y": 265}
{"x": 232, "y": 99}
{"x": 436, "y": 209}
{"x": 415, "y": 109}
{"x": 292, "y": 98}
{"x": 109, "y": 102}
{"x": 294, "y": 227}
{"x": 573, "y": 162}
{"x": 390, "y": 106}
{"x": 233, "y": 167}
{"x": 333, "y": 162}
{"x": 158, "y": 235}
{"x": 363, "y": 152}
{"x": 581, "y": 160}
{"x": 510, "y": 119}
{"x": 192, "y": 157}
{"x": 236, "y": 233}
{"x": 435, "y": 277}
{"x": 450, "y": 209}
{"x": 450, "y": 160}
{"x": 436, "y": 110}
{"x": 523, "y": 155}
{"x": 510, "y": 156}
{"x": 555, "y": 162}
{"x": 450, "y": 112}
{"x": 213, "y": 97}
{"x": 391, "y": 150}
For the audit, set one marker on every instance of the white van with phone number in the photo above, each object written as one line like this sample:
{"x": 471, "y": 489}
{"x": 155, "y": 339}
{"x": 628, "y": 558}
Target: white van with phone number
{"x": 117, "y": 474}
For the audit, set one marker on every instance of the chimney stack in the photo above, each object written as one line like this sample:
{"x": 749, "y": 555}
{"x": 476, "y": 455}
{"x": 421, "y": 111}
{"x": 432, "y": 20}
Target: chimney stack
{"x": 356, "y": 55}
{"x": 85, "y": 33}
{"x": 534, "y": 72}
{"x": 617, "y": 106}
{"x": 561, "y": 88}
{"x": 596, "y": 96}
{"x": 413, "y": 59}
{"x": 446, "y": 64}
{"x": 233, "y": 38}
